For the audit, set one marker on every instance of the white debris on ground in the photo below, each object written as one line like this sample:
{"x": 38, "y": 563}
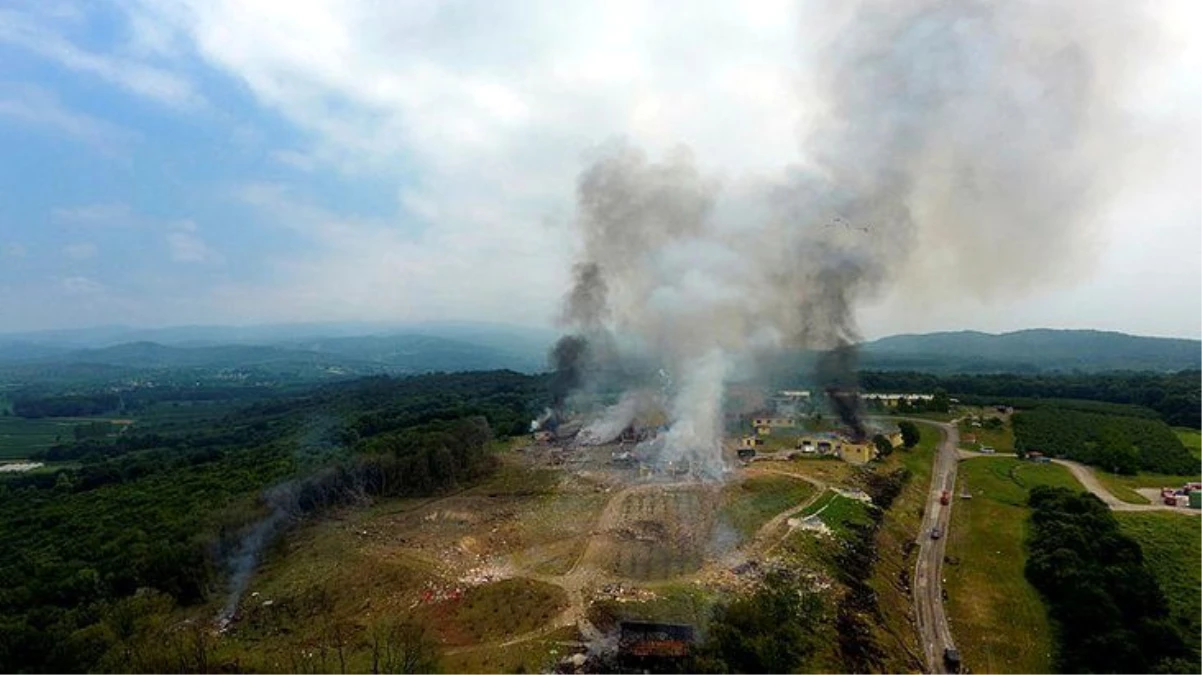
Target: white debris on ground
{"x": 811, "y": 523}
{"x": 19, "y": 467}
{"x": 624, "y": 593}
{"x": 484, "y": 574}
{"x": 853, "y": 493}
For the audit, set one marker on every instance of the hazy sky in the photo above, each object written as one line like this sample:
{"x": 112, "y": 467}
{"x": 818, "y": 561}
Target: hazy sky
{"x": 258, "y": 162}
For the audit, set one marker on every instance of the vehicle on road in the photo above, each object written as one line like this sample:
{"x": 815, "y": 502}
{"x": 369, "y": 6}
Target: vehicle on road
{"x": 951, "y": 656}
{"x": 936, "y": 533}
{"x": 945, "y": 498}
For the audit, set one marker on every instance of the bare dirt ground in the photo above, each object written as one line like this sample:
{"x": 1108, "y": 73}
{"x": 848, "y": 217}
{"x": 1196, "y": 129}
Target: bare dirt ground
{"x": 654, "y": 532}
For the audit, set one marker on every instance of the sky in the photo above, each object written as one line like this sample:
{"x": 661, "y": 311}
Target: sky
{"x": 245, "y": 162}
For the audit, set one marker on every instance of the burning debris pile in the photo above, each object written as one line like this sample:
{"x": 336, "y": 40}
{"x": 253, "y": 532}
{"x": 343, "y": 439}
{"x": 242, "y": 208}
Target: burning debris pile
{"x": 928, "y": 122}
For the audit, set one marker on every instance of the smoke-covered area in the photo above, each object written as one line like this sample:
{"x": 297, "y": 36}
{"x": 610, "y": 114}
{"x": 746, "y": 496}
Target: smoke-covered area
{"x": 281, "y": 500}
{"x": 984, "y": 131}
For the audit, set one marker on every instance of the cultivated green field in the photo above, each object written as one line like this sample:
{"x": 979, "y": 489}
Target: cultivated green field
{"x": 999, "y": 620}
{"x": 19, "y": 436}
{"x": 1172, "y": 546}
{"x": 1191, "y": 439}
{"x": 1124, "y": 487}
{"x": 749, "y": 504}
{"x": 1001, "y": 440}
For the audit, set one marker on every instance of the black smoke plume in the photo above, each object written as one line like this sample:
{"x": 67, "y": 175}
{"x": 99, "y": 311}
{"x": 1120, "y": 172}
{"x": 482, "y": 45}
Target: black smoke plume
{"x": 568, "y": 361}
{"x": 836, "y": 372}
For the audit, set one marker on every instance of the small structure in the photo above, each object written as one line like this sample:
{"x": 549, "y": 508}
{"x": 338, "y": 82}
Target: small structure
{"x": 654, "y": 647}
{"x": 772, "y": 421}
{"x": 750, "y": 442}
{"x": 746, "y": 454}
{"x": 892, "y": 400}
{"x": 857, "y": 453}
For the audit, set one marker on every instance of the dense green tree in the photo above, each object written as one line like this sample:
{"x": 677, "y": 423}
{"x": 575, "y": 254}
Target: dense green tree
{"x": 774, "y": 630}
{"x": 910, "y": 433}
{"x": 1109, "y": 612}
{"x": 883, "y": 446}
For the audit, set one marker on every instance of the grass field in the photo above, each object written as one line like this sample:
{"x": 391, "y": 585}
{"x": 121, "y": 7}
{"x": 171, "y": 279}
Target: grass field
{"x": 899, "y": 529}
{"x": 747, "y": 505}
{"x": 19, "y": 436}
{"x": 998, "y": 618}
{"x": 493, "y": 611}
{"x": 1172, "y": 546}
{"x": 1001, "y": 440}
{"x": 1191, "y": 439}
{"x": 838, "y": 512}
{"x": 1124, "y": 487}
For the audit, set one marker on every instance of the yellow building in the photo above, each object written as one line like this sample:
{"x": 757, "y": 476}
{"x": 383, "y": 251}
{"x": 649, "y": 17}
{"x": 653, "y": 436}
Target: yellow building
{"x": 852, "y": 453}
{"x": 857, "y": 453}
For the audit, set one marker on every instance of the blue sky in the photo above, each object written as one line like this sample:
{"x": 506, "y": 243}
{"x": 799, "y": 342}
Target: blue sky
{"x": 256, "y": 162}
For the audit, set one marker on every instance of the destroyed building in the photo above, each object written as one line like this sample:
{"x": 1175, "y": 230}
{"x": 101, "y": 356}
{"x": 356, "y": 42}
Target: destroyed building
{"x": 654, "y": 647}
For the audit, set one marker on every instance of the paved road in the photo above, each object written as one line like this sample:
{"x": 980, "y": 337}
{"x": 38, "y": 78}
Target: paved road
{"x": 1086, "y": 477}
{"x": 933, "y": 630}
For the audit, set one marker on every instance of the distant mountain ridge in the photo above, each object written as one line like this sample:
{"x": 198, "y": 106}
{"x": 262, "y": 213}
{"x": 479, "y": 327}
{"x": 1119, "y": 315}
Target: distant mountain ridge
{"x": 1040, "y": 349}
{"x": 314, "y": 348}
{"x": 354, "y": 349}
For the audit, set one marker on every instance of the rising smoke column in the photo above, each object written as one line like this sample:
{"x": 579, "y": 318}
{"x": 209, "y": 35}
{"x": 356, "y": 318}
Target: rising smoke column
{"x": 987, "y": 135}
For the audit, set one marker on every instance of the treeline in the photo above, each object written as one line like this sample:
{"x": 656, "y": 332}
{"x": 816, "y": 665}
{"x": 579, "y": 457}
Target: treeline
{"x": 1119, "y": 444}
{"x": 1176, "y": 397}
{"x": 161, "y": 509}
{"x": 36, "y": 403}
{"x": 78, "y": 405}
{"x": 509, "y": 400}
{"x": 1109, "y": 612}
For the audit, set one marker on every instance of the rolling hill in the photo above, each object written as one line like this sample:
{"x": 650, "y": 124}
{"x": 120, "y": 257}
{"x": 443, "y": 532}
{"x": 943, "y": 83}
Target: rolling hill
{"x": 1036, "y": 350}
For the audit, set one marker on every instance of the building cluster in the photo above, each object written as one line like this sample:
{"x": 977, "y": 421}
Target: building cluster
{"x": 1188, "y": 495}
{"x": 892, "y": 400}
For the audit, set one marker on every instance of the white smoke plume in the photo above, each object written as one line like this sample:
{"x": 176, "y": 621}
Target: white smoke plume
{"x": 985, "y": 130}
{"x": 616, "y": 418}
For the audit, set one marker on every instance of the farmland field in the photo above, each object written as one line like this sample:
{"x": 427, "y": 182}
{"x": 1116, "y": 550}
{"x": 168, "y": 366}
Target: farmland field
{"x": 1172, "y": 546}
{"x": 20, "y": 436}
{"x": 662, "y": 534}
{"x": 749, "y": 504}
{"x": 998, "y": 618}
{"x": 1191, "y": 439}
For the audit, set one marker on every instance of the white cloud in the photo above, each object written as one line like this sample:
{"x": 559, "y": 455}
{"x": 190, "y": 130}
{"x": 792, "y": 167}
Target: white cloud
{"x": 482, "y": 113}
{"x": 80, "y": 250}
{"x": 297, "y": 160}
{"x": 81, "y": 286}
{"x": 40, "y": 34}
{"x": 186, "y": 245}
{"x": 105, "y": 213}
{"x": 34, "y": 106}
{"x": 14, "y": 249}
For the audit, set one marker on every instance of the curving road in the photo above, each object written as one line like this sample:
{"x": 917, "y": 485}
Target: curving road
{"x": 933, "y": 630}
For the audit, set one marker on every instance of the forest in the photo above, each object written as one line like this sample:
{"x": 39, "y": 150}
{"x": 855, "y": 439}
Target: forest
{"x": 1115, "y": 443}
{"x": 1175, "y": 397}
{"x": 158, "y": 513}
{"x": 1109, "y": 613}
